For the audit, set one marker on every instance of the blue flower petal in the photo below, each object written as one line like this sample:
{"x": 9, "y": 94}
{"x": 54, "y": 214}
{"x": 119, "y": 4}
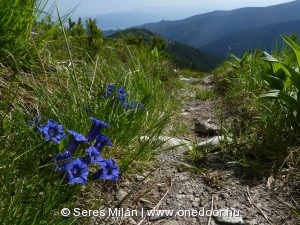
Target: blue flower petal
{"x": 61, "y": 160}
{"x": 109, "y": 90}
{"x": 109, "y": 171}
{"x": 52, "y": 131}
{"x": 77, "y": 172}
{"x": 94, "y": 156}
{"x": 96, "y": 128}
{"x": 77, "y": 138}
{"x": 101, "y": 142}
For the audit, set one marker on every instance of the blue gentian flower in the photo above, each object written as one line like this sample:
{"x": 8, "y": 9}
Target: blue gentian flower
{"x": 93, "y": 156}
{"x": 133, "y": 105}
{"x": 125, "y": 104}
{"x": 96, "y": 127}
{"x": 77, "y": 138}
{"x": 101, "y": 142}
{"x": 61, "y": 160}
{"x": 52, "y": 131}
{"x": 77, "y": 172}
{"x": 35, "y": 121}
{"x": 109, "y": 90}
{"x": 109, "y": 171}
{"x": 122, "y": 95}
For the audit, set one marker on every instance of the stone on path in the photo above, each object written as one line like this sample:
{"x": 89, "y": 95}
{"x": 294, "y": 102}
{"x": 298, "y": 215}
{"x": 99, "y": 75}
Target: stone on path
{"x": 228, "y": 217}
{"x": 170, "y": 142}
{"x": 205, "y": 128}
{"x": 171, "y": 223}
{"x": 214, "y": 141}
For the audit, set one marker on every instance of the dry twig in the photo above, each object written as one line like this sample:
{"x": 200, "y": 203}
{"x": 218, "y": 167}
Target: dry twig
{"x": 211, "y": 208}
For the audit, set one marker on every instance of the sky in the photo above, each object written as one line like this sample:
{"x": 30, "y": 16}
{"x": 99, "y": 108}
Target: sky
{"x": 121, "y": 14}
{"x": 99, "y": 7}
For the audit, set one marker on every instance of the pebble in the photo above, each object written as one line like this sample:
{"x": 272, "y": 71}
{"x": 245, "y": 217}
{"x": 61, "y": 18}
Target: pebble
{"x": 121, "y": 194}
{"x": 195, "y": 204}
{"x": 213, "y": 141}
{"x": 224, "y": 196}
{"x": 180, "y": 196}
{"x": 230, "y": 219}
{"x": 205, "y": 128}
{"x": 171, "y": 223}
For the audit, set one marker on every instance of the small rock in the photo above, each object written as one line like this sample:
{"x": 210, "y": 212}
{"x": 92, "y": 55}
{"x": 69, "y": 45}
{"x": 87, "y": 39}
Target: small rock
{"x": 228, "y": 217}
{"x": 253, "y": 222}
{"x": 184, "y": 78}
{"x": 132, "y": 221}
{"x": 169, "y": 142}
{"x": 195, "y": 204}
{"x": 191, "y": 80}
{"x": 213, "y": 141}
{"x": 205, "y": 128}
{"x": 224, "y": 195}
{"x": 207, "y": 80}
{"x": 121, "y": 194}
{"x": 180, "y": 196}
{"x": 197, "y": 199}
{"x": 171, "y": 223}
{"x": 190, "y": 197}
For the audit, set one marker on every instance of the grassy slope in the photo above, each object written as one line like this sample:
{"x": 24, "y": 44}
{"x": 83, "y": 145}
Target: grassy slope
{"x": 66, "y": 82}
{"x": 183, "y": 56}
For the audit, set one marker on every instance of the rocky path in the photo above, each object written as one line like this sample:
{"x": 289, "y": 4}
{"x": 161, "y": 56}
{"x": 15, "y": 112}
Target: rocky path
{"x": 213, "y": 193}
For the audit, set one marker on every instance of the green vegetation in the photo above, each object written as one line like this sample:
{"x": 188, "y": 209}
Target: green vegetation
{"x": 182, "y": 56}
{"x": 204, "y": 94}
{"x": 259, "y": 116}
{"x": 61, "y": 72}
{"x": 63, "y": 76}
{"x": 261, "y": 92}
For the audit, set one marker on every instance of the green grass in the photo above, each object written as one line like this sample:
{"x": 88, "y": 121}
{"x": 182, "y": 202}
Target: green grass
{"x": 264, "y": 129}
{"x": 67, "y": 84}
{"x": 204, "y": 94}
{"x": 61, "y": 73}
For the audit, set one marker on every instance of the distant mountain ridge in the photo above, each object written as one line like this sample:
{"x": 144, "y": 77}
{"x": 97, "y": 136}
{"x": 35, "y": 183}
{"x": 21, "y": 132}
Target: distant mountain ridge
{"x": 204, "y": 29}
{"x": 182, "y": 55}
{"x": 266, "y": 38}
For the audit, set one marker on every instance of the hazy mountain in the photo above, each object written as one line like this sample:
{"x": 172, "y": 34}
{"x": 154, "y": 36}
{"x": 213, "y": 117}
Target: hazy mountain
{"x": 115, "y": 21}
{"x": 182, "y": 55}
{"x": 202, "y": 29}
{"x": 266, "y": 38}
{"x": 136, "y": 17}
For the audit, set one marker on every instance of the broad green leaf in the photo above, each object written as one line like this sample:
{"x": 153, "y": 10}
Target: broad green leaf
{"x": 295, "y": 47}
{"x": 290, "y": 102}
{"x": 293, "y": 77}
{"x": 273, "y": 81}
{"x": 277, "y": 68}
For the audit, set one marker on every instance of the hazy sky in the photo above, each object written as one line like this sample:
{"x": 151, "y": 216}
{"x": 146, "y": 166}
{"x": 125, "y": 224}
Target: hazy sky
{"x": 96, "y": 7}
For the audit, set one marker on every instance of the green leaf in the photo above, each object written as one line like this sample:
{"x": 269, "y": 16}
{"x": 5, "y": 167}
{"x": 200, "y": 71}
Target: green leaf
{"x": 290, "y": 102}
{"x": 295, "y": 47}
{"x": 273, "y": 81}
{"x": 6, "y": 125}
